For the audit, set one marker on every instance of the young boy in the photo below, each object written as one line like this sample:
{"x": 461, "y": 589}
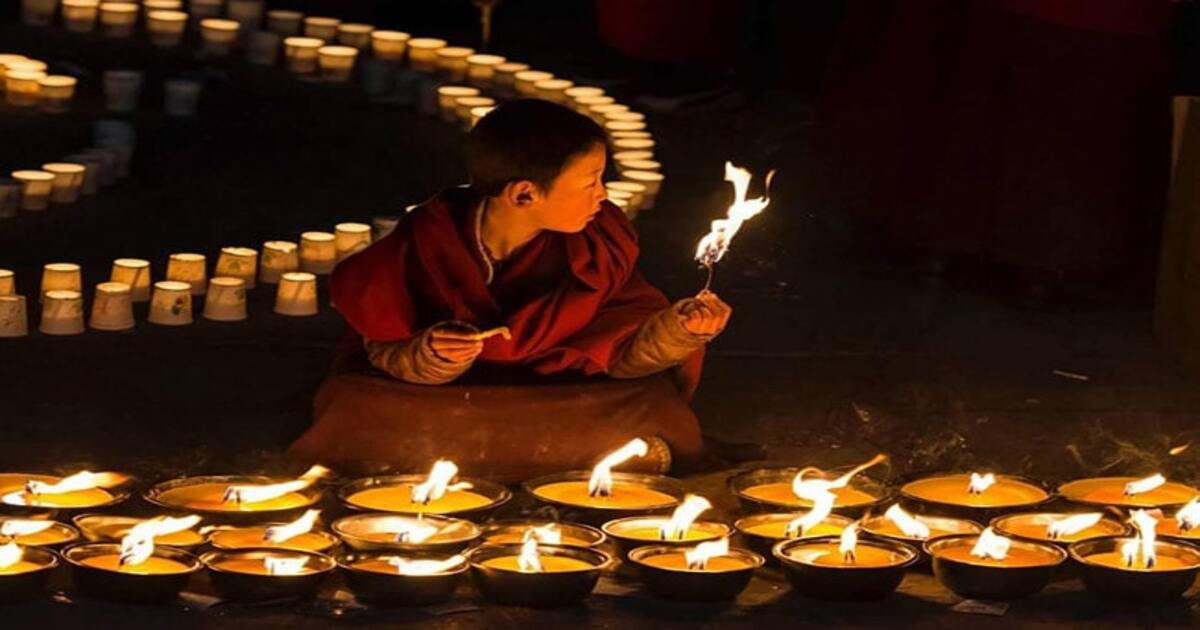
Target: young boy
{"x": 531, "y": 245}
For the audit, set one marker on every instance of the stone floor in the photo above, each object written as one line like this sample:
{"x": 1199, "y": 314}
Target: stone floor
{"x": 835, "y": 352}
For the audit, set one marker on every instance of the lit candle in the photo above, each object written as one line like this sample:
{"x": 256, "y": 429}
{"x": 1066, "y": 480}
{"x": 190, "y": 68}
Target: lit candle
{"x": 8, "y": 282}
{"x": 436, "y": 494}
{"x": 844, "y": 567}
{"x": 601, "y": 490}
{"x": 423, "y": 532}
{"x": 678, "y": 529}
{"x": 547, "y": 532}
{"x": 709, "y": 571}
{"x": 266, "y": 574}
{"x": 79, "y": 16}
{"x": 298, "y": 535}
{"x": 553, "y": 90}
{"x": 36, "y": 533}
{"x": 84, "y": 489}
{"x": 1152, "y": 491}
{"x": 991, "y": 566}
{"x": 530, "y": 574}
{"x": 35, "y": 189}
{"x": 227, "y": 495}
{"x": 14, "y": 317}
{"x": 109, "y": 528}
{"x": 505, "y": 77}
{"x": 482, "y": 68}
{"x": 1185, "y": 523}
{"x": 525, "y": 81}
{"x": 1058, "y": 526}
{"x": 807, "y": 485}
{"x": 463, "y": 106}
{"x": 898, "y": 524}
{"x": 61, "y": 277}
{"x": 975, "y": 490}
{"x": 448, "y": 96}
{"x": 22, "y": 87}
{"x": 1141, "y": 568}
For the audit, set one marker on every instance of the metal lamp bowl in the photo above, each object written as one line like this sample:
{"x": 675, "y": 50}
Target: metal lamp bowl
{"x": 130, "y": 587}
{"x": 763, "y": 545}
{"x": 515, "y": 529}
{"x": 68, "y": 534}
{"x": 686, "y": 585}
{"x": 597, "y": 516}
{"x": 975, "y": 581}
{"x": 844, "y": 583}
{"x": 330, "y": 541}
{"x": 1003, "y": 524}
{"x": 536, "y": 590}
{"x": 110, "y": 528}
{"x": 17, "y": 587}
{"x": 618, "y": 530}
{"x": 311, "y": 494}
{"x": 117, "y": 494}
{"x": 454, "y": 534}
{"x": 249, "y": 587}
{"x": 1124, "y": 585}
{"x": 397, "y": 589}
{"x": 496, "y": 494}
{"x": 1075, "y": 491}
{"x": 741, "y": 482}
{"x": 981, "y": 514}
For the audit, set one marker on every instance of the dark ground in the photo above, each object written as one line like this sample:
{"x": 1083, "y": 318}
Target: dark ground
{"x": 835, "y": 352}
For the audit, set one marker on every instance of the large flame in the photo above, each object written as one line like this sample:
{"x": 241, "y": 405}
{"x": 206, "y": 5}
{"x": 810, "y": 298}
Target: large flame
{"x": 10, "y": 554}
{"x": 284, "y": 566}
{"x": 980, "y": 483}
{"x": 714, "y": 244}
{"x": 438, "y": 483}
{"x": 848, "y": 543}
{"x": 1188, "y": 516}
{"x": 907, "y": 523}
{"x": 548, "y": 534}
{"x": 405, "y": 566}
{"x": 812, "y": 489}
{"x": 1144, "y": 485}
{"x": 1071, "y": 525}
{"x": 683, "y": 517}
{"x": 138, "y": 545}
{"x": 84, "y": 480}
{"x": 1139, "y": 552}
{"x": 528, "y": 561}
{"x": 697, "y": 557}
{"x": 282, "y": 533}
{"x": 821, "y": 509}
{"x": 266, "y": 492}
{"x": 991, "y": 545}
{"x": 20, "y": 527}
{"x": 601, "y": 482}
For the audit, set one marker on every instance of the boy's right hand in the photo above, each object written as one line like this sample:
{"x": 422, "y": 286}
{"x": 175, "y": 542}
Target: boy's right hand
{"x": 454, "y": 343}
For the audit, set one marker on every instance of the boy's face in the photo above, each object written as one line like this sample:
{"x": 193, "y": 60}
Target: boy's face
{"x": 574, "y": 197}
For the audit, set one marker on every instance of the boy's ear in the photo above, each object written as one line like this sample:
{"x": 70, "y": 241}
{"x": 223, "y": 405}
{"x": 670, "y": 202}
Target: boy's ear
{"x": 521, "y": 192}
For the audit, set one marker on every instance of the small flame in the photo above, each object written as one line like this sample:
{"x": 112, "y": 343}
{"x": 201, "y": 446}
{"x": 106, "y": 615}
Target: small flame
{"x": 18, "y": 527}
{"x": 1139, "y": 552}
{"x": 85, "y": 480}
{"x": 284, "y": 566}
{"x": 683, "y": 517}
{"x": 601, "y": 482}
{"x": 697, "y": 557}
{"x": 266, "y": 492}
{"x": 138, "y": 545}
{"x": 811, "y": 489}
{"x": 1188, "y": 516}
{"x": 405, "y": 566}
{"x": 282, "y": 533}
{"x": 528, "y": 561}
{"x": 991, "y": 545}
{"x": 713, "y": 246}
{"x": 1144, "y": 485}
{"x": 821, "y": 509}
{"x": 10, "y": 554}
{"x": 1071, "y": 525}
{"x": 980, "y": 483}
{"x": 437, "y": 484}
{"x": 907, "y": 523}
{"x": 548, "y": 534}
{"x": 848, "y": 542}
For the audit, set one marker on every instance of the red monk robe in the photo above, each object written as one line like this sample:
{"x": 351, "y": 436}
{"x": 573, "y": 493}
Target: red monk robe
{"x": 572, "y": 301}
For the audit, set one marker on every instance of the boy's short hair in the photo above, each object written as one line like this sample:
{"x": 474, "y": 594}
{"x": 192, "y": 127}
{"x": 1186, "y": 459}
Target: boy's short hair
{"x": 527, "y": 139}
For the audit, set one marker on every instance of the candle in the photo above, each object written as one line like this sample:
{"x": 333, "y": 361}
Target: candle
{"x": 448, "y": 96}
{"x": 238, "y": 494}
{"x": 1058, "y": 526}
{"x": 82, "y": 490}
{"x": 218, "y": 36}
{"x": 278, "y": 258}
{"x": 402, "y": 579}
{"x": 990, "y": 566}
{"x": 8, "y": 283}
{"x": 463, "y": 106}
{"x": 709, "y": 571}
{"x": 112, "y": 307}
{"x": 107, "y": 528}
{"x": 14, "y": 560}
{"x": 530, "y": 574}
{"x": 549, "y": 532}
{"x": 211, "y": 497}
{"x": 257, "y": 575}
{"x": 1141, "y": 568}
{"x": 135, "y": 273}
{"x": 68, "y": 179}
{"x": 602, "y": 490}
{"x": 1185, "y": 523}
{"x": 189, "y": 268}
{"x": 897, "y": 524}
{"x": 389, "y": 45}
{"x": 553, "y": 90}
{"x": 505, "y": 77}
{"x": 975, "y": 491}
{"x": 790, "y": 487}
{"x": 24, "y": 571}
{"x": 297, "y": 294}
{"x": 424, "y": 532}
{"x": 844, "y": 567}
{"x": 434, "y": 494}
{"x": 1152, "y": 491}
{"x": 298, "y": 535}
{"x": 680, "y": 528}
{"x": 36, "y": 533}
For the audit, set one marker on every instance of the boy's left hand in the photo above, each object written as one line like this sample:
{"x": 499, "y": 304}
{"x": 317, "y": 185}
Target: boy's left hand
{"x": 704, "y": 315}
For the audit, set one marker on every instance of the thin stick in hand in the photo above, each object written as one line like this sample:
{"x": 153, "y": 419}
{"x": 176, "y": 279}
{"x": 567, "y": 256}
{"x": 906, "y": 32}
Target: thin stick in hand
{"x": 503, "y": 331}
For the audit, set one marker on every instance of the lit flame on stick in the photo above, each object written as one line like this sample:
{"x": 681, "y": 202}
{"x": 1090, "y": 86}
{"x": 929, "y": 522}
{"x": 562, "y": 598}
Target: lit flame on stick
{"x": 19, "y": 527}
{"x": 282, "y": 533}
{"x": 284, "y": 566}
{"x": 405, "y": 566}
{"x": 266, "y": 492}
{"x": 85, "y": 480}
{"x": 713, "y": 246}
{"x": 848, "y": 542}
{"x": 697, "y": 557}
{"x": 991, "y": 545}
{"x": 1071, "y": 525}
{"x": 138, "y": 545}
{"x": 980, "y": 483}
{"x": 1144, "y": 485}
{"x": 437, "y": 484}
{"x": 1142, "y": 547}
{"x": 1188, "y": 516}
{"x": 683, "y": 517}
{"x": 10, "y": 554}
{"x": 601, "y": 482}
{"x": 548, "y": 534}
{"x": 821, "y": 509}
{"x": 908, "y": 524}
{"x": 528, "y": 561}
{"x": 811, "y": 489}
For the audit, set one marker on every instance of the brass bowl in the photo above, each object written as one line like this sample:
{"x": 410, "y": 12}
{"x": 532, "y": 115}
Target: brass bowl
{"x": 1005, "y": 525}
{"x": 251, "y": 587}
{"x": 763, "y": 544}
{"x": 111, "y": 528}
{"x": 16, "y": 587}
{"x": 1142, "y": 587}
{"x": 130, "y": 587}
{"x": 508, "y": 532}
{"x": 598, "y": 515}
{"x": 980, "y": 514}
{"x": 155, "y": 495}
{"x": 454, "y": 534}
{"x": 15, "y": 481}
{"x": 976, "y": 581}
{"x": 397, "y": 589}
{"x": 497, "y": 495}
{"x": 740, "y": 483}
{"x": 695, "y": 586}
{"x": 328, "y": 541}
{"x": 619, "y": 531}
{"x": 536, "y": 590}
{"x": 65, "y": 533}
{"x": 1077, "y": 492}
{"x": 857, "y": 583}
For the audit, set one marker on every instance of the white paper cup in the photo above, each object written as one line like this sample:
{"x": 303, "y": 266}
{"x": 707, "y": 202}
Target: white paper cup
{"x": 134, "y": 272}
{"x": 633, "y": 144}
{"x": 318, "y": 252}
{"x": 91, "y": 172}
{"x": 452, "y": 62}
{"x": 226, "y": 300}
{"x": 21, "y": 87}
{"x": 162, "y": 5}
{"x": 55, "y": 93}
{"x": 337, "y": 62}
{"x": 38, "y": 12}
{"x": 68, "y": 181}
{"x": 36, "y": 187}
{"x": 619, "y": 126}
{"x": 247, "y": 13}
{"x": 584, "y": 104}
{"x": 636, "y": 190}
{"x": 464, "y": 104}
{"x": 525, "y": 82}
{"x": 8, "y": 282}
{"x": 639, "y": 165}
{"x": 171, "y": 304}
{"x": 351, "y": 238}
{"x": 118, "y": 19}
{"x": 285, "y": 23}
{"x": 301, "y": 53}
{"x": 354, "y": 35}
{"x": 651, "y": 180}
{"x": 79, "y": 16}
{"x": 422, "y": 53}
{"x": 622, "y": 156}
{"x": 504, "y": 78}
{"x": 477, "y": 114}
{"x": 576, "y": 92}
{"x": 322, "y": 28}
{"x": 481, "y": 69}
{"x": 112, "y": 307}
{"x": 278, "y": 258}
{"x": 218, "y": 36}
{"x": 553, "y": 90}
{"x": 238, "y": 262}
{"x": 190, "y": 268}
{"x": 297, "y": 294}
{"x": 62, "y": 313}
{"x": 122, "y": 89}
{"x": 165, "y": 28}
{"x": 182, "y": 97}
{"x": 389, "y": 45}
{"x": 14, "y": 318}
{"x": 447, "y": 98}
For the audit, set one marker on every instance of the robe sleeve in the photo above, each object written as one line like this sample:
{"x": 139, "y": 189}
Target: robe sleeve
{"x": 413, "y": 361}
{"x": 372, "y": 290}
{"x": 661, "y": 343}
